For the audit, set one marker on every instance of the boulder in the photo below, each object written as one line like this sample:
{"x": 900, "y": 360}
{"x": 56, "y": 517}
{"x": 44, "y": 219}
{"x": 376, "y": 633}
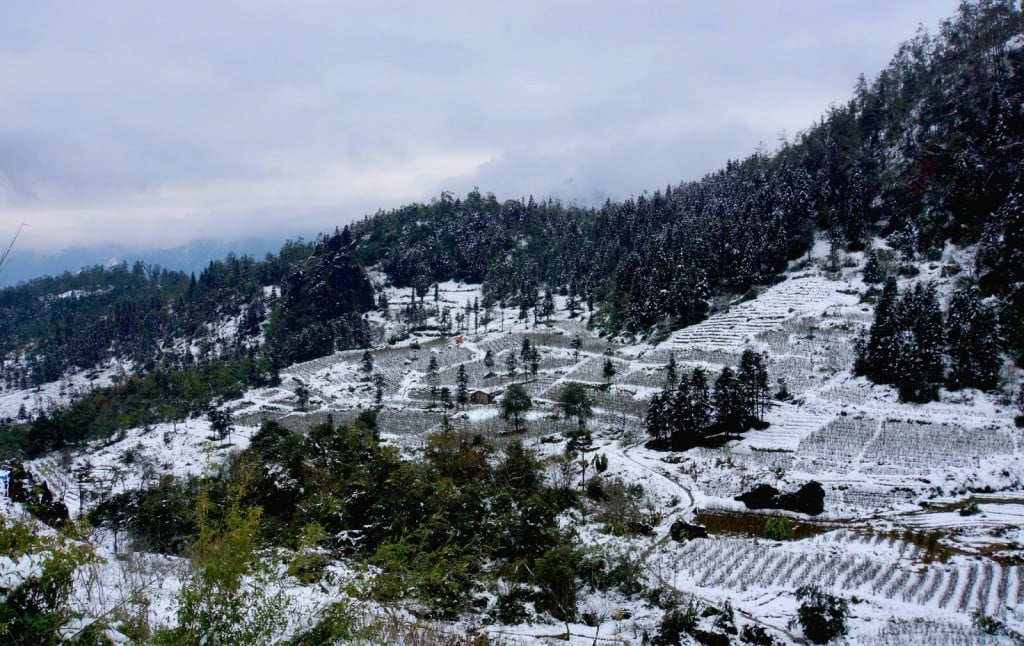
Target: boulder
{"x": 682, "y": 530}
{"x": 808, "y": 499}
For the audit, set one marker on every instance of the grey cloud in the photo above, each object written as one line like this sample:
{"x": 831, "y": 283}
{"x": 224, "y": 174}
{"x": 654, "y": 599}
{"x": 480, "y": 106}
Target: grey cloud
{"x": 161, "y": 120}
{"x": 615, "y": 168}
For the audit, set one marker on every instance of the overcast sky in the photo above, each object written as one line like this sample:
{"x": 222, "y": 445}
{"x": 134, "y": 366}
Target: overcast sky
{"x": 151, "y": 123}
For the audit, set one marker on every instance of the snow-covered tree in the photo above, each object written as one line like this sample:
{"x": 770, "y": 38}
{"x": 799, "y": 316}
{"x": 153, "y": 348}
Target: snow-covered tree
{"x": 972, "y": 337}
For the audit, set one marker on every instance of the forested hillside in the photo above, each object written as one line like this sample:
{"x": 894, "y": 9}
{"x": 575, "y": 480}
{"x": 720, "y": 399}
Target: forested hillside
{"x": 928, "y": 151}
{"x": 176, "y": 342}
{"x": 155, "y": 318}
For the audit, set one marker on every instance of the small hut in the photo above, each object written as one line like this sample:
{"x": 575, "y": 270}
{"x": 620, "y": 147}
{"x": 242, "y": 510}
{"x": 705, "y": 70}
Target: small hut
{"x": 484, "y": 397}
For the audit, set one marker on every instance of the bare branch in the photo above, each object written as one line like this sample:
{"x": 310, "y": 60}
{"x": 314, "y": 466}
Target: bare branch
{"x": 7, "y": 251}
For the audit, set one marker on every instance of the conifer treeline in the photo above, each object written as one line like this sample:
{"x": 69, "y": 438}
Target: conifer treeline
{"x": 689, "y": 412}
{"x": 913, "y": 346}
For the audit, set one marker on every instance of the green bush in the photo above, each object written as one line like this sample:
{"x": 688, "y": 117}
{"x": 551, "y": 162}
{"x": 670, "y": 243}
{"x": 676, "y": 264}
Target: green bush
{"x": 971, "y": 508}
{"x": 778, "y": 528}
{"x": 511, "y": 605}
{"x": 338, "y": 623}
{"x": 35, "y": 603}
{"x": 677, "y": 621}
{"x": 822, "y": 616}
{"x": 226, "y": 600}
{"x": 441, "y": 579}
{"x": 310, "y": 560}
{"x": 159, "y": 519}
{"x": 555, "y": 574}
{"x": 625, "y": 509}
{"x": 989, "y": 625}
{"x": 603, "y": 569}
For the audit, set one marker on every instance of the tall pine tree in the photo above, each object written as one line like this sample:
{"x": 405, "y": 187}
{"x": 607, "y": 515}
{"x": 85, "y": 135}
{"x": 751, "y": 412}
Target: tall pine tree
{"x": 728, "y": 398}
{"x": 753, "y": 379}
{"x": 972, "y": 337}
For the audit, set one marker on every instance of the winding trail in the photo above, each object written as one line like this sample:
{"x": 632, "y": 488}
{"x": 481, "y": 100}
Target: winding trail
{"x": 681, "y": 510}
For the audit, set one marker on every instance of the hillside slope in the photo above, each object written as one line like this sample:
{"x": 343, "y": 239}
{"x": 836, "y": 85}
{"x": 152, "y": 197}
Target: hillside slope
{"x": 896, "y": 475}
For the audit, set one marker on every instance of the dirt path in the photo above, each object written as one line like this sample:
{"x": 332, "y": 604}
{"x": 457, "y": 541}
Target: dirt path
{"x": 679, "y": 511}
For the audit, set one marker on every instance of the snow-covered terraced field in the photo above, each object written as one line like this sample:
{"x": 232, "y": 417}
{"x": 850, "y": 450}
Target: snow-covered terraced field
{"x": 802, "y": 295}
{"x": 648, "y": 376}
{"x": 879, "y": 571}
{"x": 838, "y": 446}
{"x": 903, "y": 448}
{"x": 788, "y": 426}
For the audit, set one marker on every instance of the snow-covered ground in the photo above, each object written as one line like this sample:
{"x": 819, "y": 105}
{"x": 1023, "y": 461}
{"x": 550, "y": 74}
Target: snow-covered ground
{"x": 15, "y": 403}
{"x": 896, "y": 475}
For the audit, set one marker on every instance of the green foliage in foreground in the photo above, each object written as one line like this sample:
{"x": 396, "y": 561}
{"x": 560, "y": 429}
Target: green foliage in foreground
{"x": 226, "y": 600}
{"x": 821, "y": 615}
{"x": 437, "y": 530}
{"x": 35, "y": 604}
{"x": 778, "y": 528}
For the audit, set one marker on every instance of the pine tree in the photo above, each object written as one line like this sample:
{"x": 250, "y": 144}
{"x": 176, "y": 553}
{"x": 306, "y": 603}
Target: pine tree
{"x": 379, "y": 383}
{"x": 700, "y": 402}
{"x": 547, "y": 307}
{"x": 221, "y": 422}
{"x": 302, "y": 394}
{"x": 908, "y": 368}
{"x": 873, "y": 273}
{"x": 988, "y": 360}
{"x": 906, "y": 343}
{"x": 728, "y": 400}
{"x": 608, "y": 370}
{"x": 671, "y": 375}
{"x": 432, "y": 368}
{"x": 514, "y": 403}
{"x": 367, "y": 362}
{"x": 575, "y": 402}
{"x": 577, "y": 344}
{"x": 920, "y": 312}
{"x": 753, "y": 378}
{"x": 972, "y": 337}
{"x": 875, "y": 359}
{"x": 571, "y": 304}
{"x": 681, "y": 415}
{"x": 1000, "y": 264}
{"x": 462, "y": 388}
{"x": 657, "y": 420}
{"x": 834, "y": 245}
